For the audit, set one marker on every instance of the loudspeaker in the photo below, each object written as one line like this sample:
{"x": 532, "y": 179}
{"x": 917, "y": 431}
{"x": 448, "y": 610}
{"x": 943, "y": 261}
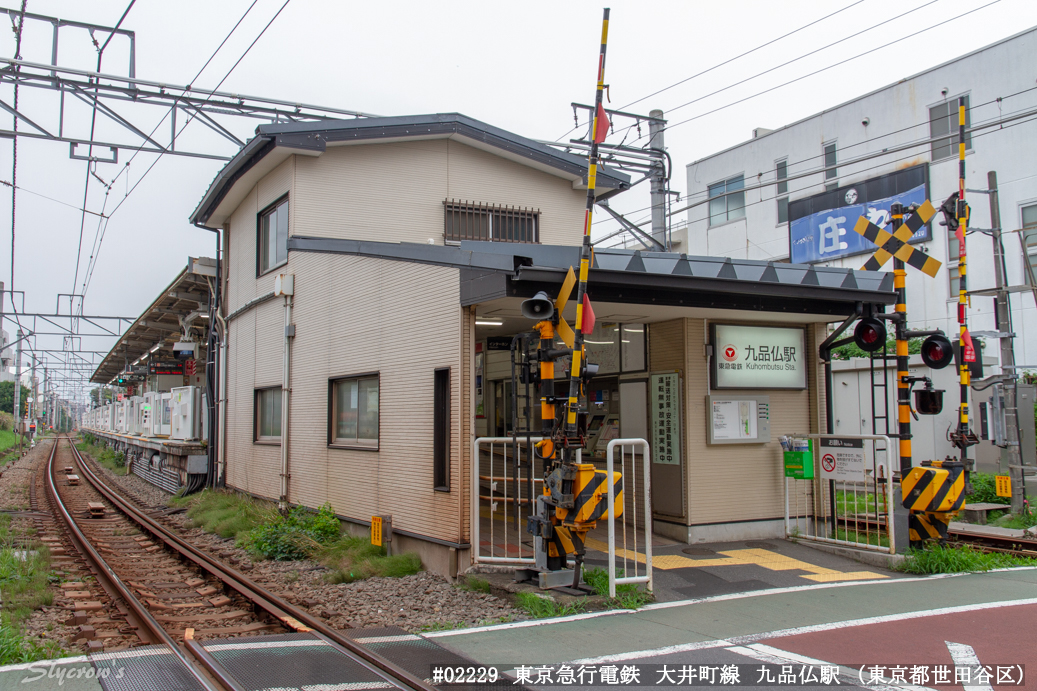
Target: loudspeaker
{"x": 538, "y": 307}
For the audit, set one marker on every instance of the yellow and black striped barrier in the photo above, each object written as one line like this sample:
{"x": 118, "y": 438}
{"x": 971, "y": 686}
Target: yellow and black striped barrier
{"x": 934, "y": 493}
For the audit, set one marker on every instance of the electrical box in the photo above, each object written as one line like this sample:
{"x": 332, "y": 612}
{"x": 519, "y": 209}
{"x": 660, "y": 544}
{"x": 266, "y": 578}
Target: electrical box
{"x": 185, "y": 350}
{"x": 184, "y": 413}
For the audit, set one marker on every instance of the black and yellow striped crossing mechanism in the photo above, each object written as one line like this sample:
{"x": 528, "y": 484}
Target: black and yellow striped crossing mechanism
{"x": 934, "y": 493}
{"x": 895, "y": 244}
{"x": 590, "y": 497}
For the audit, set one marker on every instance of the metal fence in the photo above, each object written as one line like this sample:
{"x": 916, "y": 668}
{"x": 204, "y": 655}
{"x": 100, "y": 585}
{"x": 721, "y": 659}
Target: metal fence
{"x": 636, "y": 567}
{"x": 504, "y": 488}
{"x": 852, "y": 509}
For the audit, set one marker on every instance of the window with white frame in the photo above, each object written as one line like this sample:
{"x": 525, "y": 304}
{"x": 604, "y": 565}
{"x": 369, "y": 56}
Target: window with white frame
{"x": 354, "y": 411}
{"x": 831, "y": 172}
{"x": 268, "y": 414}
{"x": 781, "y": 169}
{"x": 943, "y": 129}
{"x": 1029, "y": 213}
{"x": 273, "y": 236}
{"x": 727, "y": 200}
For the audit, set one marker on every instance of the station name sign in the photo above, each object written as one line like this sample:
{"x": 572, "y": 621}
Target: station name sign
{"x": 758, "y": 357}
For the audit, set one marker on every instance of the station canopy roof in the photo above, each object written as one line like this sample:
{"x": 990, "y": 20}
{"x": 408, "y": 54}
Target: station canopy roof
{"x": 159, "y": 324}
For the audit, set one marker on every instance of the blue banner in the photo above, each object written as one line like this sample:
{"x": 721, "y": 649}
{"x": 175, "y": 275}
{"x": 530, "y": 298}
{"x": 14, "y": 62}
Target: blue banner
{"x": 829, "y": 234}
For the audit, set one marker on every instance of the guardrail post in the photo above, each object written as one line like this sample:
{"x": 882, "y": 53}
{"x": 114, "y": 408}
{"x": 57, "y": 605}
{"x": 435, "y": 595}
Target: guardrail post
{"x": 647, "y": 491}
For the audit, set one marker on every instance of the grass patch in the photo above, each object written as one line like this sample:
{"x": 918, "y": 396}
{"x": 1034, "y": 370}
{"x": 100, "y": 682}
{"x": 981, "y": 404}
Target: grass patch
{"x": 227, "y": 514}
{"x": 861, "y": 536}
{"x": 628, "y": 595}
{"x": 8, "y": 439}
{"x": 854, "y": 502}
{"x": 1020, "y": 522}
{"x": 475, "y": 584}
{"x": 944, "y": 559}
{"x": 114, "y": 461}
{"x": 540, "y": 607}
{"x": 353, "y": 558}
{"x": 24, "y": 587}
{"x": 984, "y": 490}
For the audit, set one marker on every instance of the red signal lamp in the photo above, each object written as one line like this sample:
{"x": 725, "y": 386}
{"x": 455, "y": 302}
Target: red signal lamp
{"x": 937, "y": 351}
{"x": 870, "y": 334}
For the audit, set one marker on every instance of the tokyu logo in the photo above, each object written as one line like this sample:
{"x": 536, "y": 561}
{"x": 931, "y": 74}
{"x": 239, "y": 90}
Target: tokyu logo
{"x": 729, "y": 353}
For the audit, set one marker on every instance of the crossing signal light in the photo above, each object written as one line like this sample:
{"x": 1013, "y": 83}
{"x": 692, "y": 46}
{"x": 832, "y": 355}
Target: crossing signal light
{"x": 870, "y": 334}
{"x": 937, "y": 351}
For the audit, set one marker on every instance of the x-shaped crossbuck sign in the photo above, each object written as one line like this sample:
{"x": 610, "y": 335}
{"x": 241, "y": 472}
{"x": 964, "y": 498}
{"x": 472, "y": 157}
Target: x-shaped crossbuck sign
{"x": 896, "y": 244}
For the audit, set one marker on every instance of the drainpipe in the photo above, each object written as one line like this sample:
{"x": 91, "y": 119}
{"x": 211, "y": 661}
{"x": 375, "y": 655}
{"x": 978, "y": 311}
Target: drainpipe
{"x": 284, "y": 285}
{"x": 221, "y": 467}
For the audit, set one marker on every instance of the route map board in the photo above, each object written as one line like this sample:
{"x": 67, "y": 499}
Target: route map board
{"x": 738, "y": 419}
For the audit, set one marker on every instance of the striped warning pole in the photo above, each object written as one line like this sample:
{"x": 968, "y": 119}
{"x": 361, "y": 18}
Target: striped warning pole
{"x": 963, "y": 221}
{"x": 585, "y": 253}
{"x": 900, "y": 331}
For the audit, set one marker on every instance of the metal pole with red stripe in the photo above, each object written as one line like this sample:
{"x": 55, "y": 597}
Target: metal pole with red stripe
{"x": 599, "y": 128}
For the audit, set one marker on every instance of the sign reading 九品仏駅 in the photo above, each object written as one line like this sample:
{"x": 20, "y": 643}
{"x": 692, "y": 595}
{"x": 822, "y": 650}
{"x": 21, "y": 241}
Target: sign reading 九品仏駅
{"x": 758, "y": 357}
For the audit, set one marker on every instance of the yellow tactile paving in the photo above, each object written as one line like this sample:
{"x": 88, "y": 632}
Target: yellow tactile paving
{"x": 744, "y": 557}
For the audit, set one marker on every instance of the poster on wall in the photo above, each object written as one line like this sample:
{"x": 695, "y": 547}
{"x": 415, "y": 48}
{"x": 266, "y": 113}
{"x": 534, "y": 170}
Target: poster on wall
{"x": 841, "y": 459}
{"x": 664, "y": 404}
{"x": 758, "y": 357}
{"x": 738, "y": 419}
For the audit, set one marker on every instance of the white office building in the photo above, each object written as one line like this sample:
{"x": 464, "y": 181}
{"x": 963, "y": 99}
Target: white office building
{"x": 795, "y": 193}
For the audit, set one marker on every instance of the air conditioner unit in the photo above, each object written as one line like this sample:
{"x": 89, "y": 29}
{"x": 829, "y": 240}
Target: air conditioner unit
{"x": 184, "y": 409}
{"x": 163, "y": 416}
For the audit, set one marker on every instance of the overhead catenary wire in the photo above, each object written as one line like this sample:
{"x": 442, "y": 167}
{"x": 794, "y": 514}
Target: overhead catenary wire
{"x": 913, "y": 34}
{"x": 870, "y": 141}
{"x": 175, "y": 136}
{"x": 725, "y": 62}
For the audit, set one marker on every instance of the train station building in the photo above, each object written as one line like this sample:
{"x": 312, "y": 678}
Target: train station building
{"x": 373, "y": 269}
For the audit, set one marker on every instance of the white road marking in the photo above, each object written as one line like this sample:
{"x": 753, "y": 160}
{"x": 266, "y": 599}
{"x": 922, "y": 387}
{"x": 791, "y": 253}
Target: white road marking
{"x": 965, "y": 656}
{"x": 848, "y": 675}
{"x": 695, "y": 601}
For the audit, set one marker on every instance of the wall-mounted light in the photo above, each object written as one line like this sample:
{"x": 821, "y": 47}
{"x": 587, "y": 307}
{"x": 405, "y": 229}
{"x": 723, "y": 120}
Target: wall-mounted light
{"x": 487, "y": 322}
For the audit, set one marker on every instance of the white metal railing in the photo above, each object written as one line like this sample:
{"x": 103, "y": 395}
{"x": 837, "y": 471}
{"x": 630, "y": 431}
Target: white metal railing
{"x": 499, "y": 473}
{"x": 630, "y": 556}
{"x": 862, "y": 509}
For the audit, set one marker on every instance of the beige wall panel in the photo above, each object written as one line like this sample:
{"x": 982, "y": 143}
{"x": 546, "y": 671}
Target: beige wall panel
{"x": 275, "y": 184}
{"x": 395, "y": 192}
{"x": 736, "y": 482}
{"x": 353, "y": 316}
{"x": 268, "y": 342}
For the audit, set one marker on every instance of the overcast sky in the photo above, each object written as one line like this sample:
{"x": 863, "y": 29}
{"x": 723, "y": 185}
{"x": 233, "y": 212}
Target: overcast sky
{"x": 514, "y": 65}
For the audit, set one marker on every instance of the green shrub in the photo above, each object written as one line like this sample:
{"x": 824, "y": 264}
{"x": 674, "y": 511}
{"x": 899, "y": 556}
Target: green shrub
{"x": 984, "y": 490}
{"x": 298, "y": 535}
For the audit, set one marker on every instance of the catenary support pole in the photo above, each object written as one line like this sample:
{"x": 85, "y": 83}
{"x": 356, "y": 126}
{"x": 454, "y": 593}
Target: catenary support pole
{"x": 656, "y": 143}
{"x": 16, "y": 410}
{"x": 1003, "y": 317}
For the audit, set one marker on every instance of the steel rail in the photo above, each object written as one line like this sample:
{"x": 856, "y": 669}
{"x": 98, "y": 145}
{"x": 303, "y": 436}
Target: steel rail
{"x": 289, "y": 615}
{"x": 111, "y": 582}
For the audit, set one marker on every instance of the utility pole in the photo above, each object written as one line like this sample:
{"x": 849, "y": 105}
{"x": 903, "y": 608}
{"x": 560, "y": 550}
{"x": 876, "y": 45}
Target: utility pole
{"x": 656, "y": 142}
{"x": 1003, "y": 320}
{"x": 46, "y": 413}
{"x": 17, "y": 408}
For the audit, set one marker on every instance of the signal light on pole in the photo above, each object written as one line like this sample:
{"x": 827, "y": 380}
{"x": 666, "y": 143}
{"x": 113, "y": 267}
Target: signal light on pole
{"x": 937, "y": 351}
{"x": 870, "y": 334}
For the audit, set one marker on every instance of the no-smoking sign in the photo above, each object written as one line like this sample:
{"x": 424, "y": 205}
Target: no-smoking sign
{"x": 842, "y": 458}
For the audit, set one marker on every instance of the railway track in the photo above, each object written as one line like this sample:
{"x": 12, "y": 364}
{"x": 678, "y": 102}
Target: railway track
{"x": 987, "y": 542}
{"x": 147, "y": 586}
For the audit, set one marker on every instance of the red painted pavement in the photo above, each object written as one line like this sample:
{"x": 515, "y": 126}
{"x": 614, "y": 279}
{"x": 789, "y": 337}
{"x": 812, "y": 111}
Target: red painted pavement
{"x": 1000, "y": 636}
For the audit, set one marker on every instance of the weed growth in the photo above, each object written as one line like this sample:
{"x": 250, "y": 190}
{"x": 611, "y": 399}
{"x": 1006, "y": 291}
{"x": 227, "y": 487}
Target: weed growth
{"x": 228, "y": 514}
{"x": 114, "y": 461}
{"x": 628, "y": 595}
{"x": 541, "y": 607}
{"x": 298, "y": 535}
{"x": 862, "y": 536}
{"x": 24, "y": 581}
{"x": 944, "y": 559}
{"x": 984, "y": 490}
{"x": 475, "y": 584}
{"x": 353, "y": 558}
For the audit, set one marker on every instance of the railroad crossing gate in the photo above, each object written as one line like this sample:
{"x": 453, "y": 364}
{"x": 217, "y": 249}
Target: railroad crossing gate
{"x": 934, "y": 493}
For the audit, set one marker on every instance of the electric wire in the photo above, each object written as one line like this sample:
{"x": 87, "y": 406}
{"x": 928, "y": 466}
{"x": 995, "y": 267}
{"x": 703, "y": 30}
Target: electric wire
{"x": 879, "y": 165}
{"x": 871, "y": 141}
{"x": 912, "y": 35}
{"x": 721, "y": 64}
{"x": 175, "y": 136}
